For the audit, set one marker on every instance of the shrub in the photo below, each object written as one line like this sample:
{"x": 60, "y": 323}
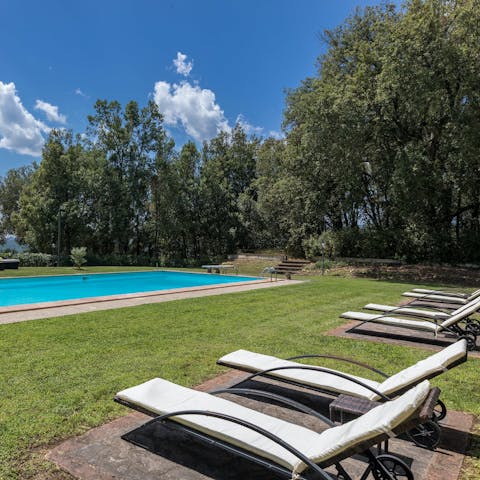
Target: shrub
{"x": 326, "y": 243}
{"x": 28, "y": 259}
{"x": 121, "y": 260}
{"x": 78, "y": 255}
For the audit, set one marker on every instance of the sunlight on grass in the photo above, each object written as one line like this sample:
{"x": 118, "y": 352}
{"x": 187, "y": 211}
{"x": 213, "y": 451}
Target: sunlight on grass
{"x": 59, "y": 375}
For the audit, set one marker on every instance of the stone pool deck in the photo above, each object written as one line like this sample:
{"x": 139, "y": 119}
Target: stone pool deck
{"x": 70, "y": 307}
{"x": 101, "y": 454}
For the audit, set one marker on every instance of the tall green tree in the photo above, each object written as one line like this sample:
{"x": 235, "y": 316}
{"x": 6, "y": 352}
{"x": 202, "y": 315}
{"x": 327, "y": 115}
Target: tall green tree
{"x": 11, "y": 187}
{"x": 57, "y": 188}
{"x": 381, "y": 139}
{"x": 134, "y": 144}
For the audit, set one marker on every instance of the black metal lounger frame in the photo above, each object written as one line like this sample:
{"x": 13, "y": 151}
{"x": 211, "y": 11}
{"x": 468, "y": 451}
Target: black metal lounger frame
{"x": 428, "y": 436}
{"x": 268, "y": 374}
{"x": 381, "y": 463}
{"x": 429, "y": 297}
{"x": 468, "y": 333}
{"x": 471, "y": 325}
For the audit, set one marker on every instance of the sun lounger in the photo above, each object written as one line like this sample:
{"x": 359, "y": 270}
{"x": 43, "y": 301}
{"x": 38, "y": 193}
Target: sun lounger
{"x": 439, "y": 296}
{"x": 285, "y": 448}
{"x": 452, "y": 325}
{"x": 466, "y": 296}
{"x": 335, "y": 382}
{"x": 464, "y": 311}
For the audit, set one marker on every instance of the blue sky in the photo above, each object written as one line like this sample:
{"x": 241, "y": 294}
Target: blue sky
{"x": 206, "y": 63}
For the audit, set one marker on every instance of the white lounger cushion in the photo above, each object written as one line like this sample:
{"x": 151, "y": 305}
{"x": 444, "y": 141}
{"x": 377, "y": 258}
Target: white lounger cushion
{"x": 474, "y": 295}
{"x": 160, "y": 396}
{"x": 257, "y": 362}
{"x": 460, "y": 314}
{"x": 440, "y": 292}
{"x": 407, "y": 310}
{"x": 425, "y": 313}
{"x": 395, "y": 322}
{"x": 436, "y": 298}
{"x": 436, "y": 363}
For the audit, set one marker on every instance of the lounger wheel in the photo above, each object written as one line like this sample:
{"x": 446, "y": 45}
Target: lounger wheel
{"x": 439, "y": 411}
{"x": 471, "y": 339}
{"x": 426, "y": 435}
{"x": 390, "y": 467}
{"x": 473, "y": 326}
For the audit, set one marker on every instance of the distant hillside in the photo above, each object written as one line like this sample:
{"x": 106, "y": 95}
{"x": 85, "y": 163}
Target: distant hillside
{"x": 11, "y": 244}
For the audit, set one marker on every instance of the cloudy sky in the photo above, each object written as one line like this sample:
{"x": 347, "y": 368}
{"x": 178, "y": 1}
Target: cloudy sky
{"x": 207, "y": 64}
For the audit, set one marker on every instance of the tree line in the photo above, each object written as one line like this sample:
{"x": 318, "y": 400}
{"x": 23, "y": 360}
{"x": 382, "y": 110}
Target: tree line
{"x": 380, "y": 158}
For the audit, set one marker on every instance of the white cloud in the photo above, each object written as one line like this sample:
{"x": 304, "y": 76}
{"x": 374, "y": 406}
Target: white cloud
{"x": 20, "y": 131}
{"x": 51, "y": 111}
{"x": 182, "y": 66}
{"x": 276, "y": 135}
{"x": 247, "y": 127}
{"x": 193, "y": 107}
{"x": 79, "y": 92}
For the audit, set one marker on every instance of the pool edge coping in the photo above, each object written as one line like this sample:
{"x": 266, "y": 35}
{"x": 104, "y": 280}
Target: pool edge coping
{"x": 26, "y": 307}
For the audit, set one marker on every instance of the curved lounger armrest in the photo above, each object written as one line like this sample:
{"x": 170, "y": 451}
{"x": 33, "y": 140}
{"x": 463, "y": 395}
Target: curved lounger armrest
{"x": 278, "y": 398}
{"x": 341, "y": 359}
{"x": 250, "y": 426}
{"x": 318, "y": 369}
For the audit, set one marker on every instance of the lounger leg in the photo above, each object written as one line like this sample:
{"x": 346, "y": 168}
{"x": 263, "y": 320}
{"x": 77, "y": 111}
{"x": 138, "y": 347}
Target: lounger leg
{"x": 473, "y": 326}
{"x": 342, "y": 474}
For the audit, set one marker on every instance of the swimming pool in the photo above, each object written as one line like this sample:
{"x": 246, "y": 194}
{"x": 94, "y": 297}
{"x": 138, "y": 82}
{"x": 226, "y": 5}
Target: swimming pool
{"x": 29, "y": 290}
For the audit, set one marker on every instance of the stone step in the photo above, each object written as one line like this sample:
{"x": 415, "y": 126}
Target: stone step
{"x": 291, "y": 266}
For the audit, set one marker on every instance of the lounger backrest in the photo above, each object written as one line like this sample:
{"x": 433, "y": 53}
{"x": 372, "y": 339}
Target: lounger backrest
{"x": 474, "y": 295}
{"x": 458, "y": 317}
{"x": 471, "y": 302}
{"x": 383, "y": 419}
{"x": 160, "y": 396}
{"x": 427, "y": 368}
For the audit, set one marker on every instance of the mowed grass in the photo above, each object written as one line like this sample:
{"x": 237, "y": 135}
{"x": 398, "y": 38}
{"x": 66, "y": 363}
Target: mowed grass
{"x": 58, "y": 376}
{"x": 36, "y": 271}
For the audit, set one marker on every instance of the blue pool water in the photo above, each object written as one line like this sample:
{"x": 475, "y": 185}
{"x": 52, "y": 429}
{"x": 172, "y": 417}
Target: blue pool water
{"x": 19, "y": 291}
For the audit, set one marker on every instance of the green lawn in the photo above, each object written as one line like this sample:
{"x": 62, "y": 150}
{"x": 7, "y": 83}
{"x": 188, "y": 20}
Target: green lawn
{"x": 34, "y": 271}
{"x": 58, "y": 376}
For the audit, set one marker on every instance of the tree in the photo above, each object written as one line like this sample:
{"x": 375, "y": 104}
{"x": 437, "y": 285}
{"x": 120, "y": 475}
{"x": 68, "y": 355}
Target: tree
{"x": 56, "y": 188}
{"x": 11, "y": 187}
{"x": 135, "y": 146}
{"x": 381, "y": 139}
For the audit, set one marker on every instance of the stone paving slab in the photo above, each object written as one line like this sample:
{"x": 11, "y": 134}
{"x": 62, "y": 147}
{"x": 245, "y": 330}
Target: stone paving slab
{"x": 101, "y": 454}
{"x": 71, "y": 307}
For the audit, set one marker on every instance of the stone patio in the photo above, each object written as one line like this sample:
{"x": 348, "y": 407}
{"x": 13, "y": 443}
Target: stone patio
{"x": 101, "y": 454}
{"x": 378, "y": 333}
